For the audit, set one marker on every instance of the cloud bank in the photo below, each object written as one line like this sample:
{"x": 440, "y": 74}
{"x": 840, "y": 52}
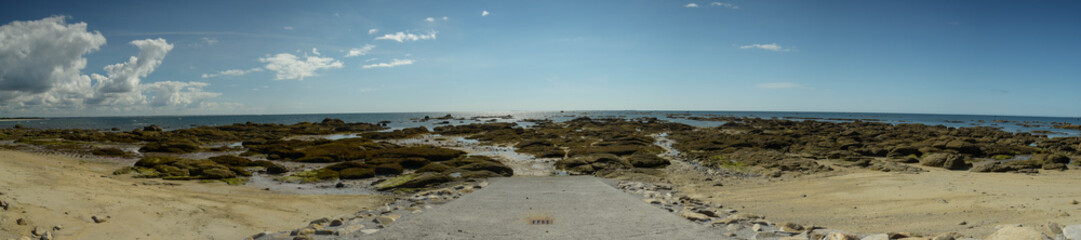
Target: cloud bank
{"x": 41, "y": 63}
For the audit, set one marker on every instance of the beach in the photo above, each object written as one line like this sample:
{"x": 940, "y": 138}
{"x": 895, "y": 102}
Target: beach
{"x": 53, "y": 190}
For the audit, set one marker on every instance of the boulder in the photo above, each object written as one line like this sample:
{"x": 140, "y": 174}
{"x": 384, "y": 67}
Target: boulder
{"x": 1072, "y": 232}
{"x": 647, "y": 161}
{"x": 1017, "y": 233}
{"x": 413, "y": 181}
{"x": 693, "y": 216}
{"x": 946, "y": 160}
{"x": 903, "y": 151}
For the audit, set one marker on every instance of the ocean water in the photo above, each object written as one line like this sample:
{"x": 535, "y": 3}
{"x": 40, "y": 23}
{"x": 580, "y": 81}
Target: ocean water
{"x": 406, "y": 120}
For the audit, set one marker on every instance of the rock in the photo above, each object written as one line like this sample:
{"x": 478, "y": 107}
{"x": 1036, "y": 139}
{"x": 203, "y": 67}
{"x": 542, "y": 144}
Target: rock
{"x": 880, "y": 236}
{"x": 306, "y": 232}
{"x": 709, "y": 213}
{"x": 98, "y": 219}
{"x": 735, "y": 218}
{"x": 369, "y": 231}
{"x": 1017, "y": 233}
{"x": 260, "y": 235}
{"x": 840, "y": 236}
{"x": 320, "y": 221}
{"x": 47, "y": 236}
{"x": 303, "y": 237}
{"x": 790, "y": 227}
{"x": 58, "y": 228}
{"x": 946, "y": 160}
{"x": 3, "y": 205}
{"x": 384, "y": 220}
{"x": 756, "y": 227}
{"x": 693, "y": 216}
{"x": 1072, "y": 232}
{"x": 21, "y": 222}
{"x": 947, "y": 236}
{"x": 348, "y": 229}
{"x": 413, "y": 181}
{"x": 324, "y": 232}
{"x": 336, "y": 222}
{"x": 1052, "y": 229}
{"x": 25, "y": 238}
{"x": 38, "y": 231}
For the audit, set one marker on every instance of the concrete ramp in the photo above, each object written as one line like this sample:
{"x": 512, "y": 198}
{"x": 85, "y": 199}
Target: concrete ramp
{"x": 555, "y": 207}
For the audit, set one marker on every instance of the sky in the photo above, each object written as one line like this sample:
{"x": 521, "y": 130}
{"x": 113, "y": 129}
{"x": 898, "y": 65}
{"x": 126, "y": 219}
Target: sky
{"x": 133, "y": 58}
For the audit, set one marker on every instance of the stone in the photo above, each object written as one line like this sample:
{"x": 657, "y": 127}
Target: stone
{"x": 739, "y": 217}
{"x": 946, "y": 160}
{"x": 303, "y": 237}
{"x": 324, "y": 232}
{"x": 320, "y": 221}
{"x": 58, "y": 228}
{"x": 336, "y": 222}
{"x": 880, "y": 236}
{"x": 384, "y": 220}
{"x": 348, "y": 229}
{"x": 369, "y": 231}
{"x": 840, "y": 236}
{"x": 21, "y": 222}
{"x": 756, "y": 227}
{"x": 733, "y": 227}
{"x": 25, "y": 238}
{"x": 790, "y": 227}
{"x": 1052, "y": 229}
{"x": 98, "y": 219}
{"x": 47, "y": 236}
{"x": 260, "y": 235}
{"x": 1017, "y": 233}
{"x": 3, "y": 205}
{"x": 708, "y": 213}
{"x": 306, "y": 231}
{"x": 1072, "y": 232}
{"x": 38, "y": 231}
{"x": 693, "y": 216}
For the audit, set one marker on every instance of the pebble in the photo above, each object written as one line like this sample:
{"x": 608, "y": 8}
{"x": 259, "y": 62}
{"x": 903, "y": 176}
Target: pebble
{"x": 21, "y": 222}
{"x": 38, "y": 231}
{"x": 756, "y": 227}
{"x": 98, "y": 219}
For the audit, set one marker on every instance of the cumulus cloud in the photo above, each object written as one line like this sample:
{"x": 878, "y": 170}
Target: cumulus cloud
{"x": 372, "y": 31}
{"x": 232, "y": 72}
{"x": 484, "y": 13}
{"x": 36, "y": 56}
{"x": 402, "y": 37}
{"x": 430, "y": 19}
{"x": 41, "y": 65}
{"x": 170, "y": 93}
{"x": 289, "y": 66}
{"x": 360, "y": 51}
{"x": 691, "y": 5}
{"x": 771, "y": 47}
{"x": 780, "y": 85}
{"x": 724, "y": 5}
{"x": 392, "y": 63}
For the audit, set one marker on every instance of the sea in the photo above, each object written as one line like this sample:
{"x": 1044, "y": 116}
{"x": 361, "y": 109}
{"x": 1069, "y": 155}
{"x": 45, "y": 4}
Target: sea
{"x": 1030, "y": 124}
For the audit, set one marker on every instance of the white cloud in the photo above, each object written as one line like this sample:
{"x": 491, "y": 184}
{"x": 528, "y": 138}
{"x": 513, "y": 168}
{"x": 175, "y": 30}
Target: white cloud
{"x": 392, "y": 63}
{"x": 779, "y": 85}
{"x": 170, "y": 93}
{"x": 288, "y": 27}
{"x": 771, "y": 47}
{"x": 372, "y": 31}
{"x": 725, "y": 5}
{"x": 41, "y": 63}
{"x": 402, "y": 37}
{"x": 289, "y": 66}
{"x": 360, "y": 51}
{"x": 430, "y": 19}
{"x": 484, "y": 13}
{"x": 209, "y": 41}
{"x": 445, "y": 18}
{"x": 232, "y": 72}
{"x": 316, "y": 51}
{"x": 124, "y": 77}
{"x": 691, "y": 5}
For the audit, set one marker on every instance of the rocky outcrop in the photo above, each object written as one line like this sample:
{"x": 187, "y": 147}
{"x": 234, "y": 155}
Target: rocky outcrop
{"x": 946, "y": 160}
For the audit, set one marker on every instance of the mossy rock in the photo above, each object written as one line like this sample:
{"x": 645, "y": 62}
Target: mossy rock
{"x": 152, "y": 161}
{"x": 493, "y": 167}
{"x": 388, "y": 169}
{"x": 271, "y": 167}
{"x": 413, "y": 181}
{"x": 217, "y": 173}
{"x": 110, "y": 152}
{"x": 311, "y": 176}
{"x": 171, "y": 146}
{"x": 434, "y": 167}
{"x": 230, "y": 160}
{"x": 647, "y": 161}
{"x": 356, "y": 173}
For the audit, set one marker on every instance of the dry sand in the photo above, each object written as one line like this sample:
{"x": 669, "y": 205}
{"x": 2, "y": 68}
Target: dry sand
{"x": 50, "y": 190}
{"x": 928, "y": 203}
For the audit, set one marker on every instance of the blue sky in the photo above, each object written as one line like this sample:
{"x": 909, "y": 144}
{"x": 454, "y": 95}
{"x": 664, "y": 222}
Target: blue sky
{"x": 270, "y": 57}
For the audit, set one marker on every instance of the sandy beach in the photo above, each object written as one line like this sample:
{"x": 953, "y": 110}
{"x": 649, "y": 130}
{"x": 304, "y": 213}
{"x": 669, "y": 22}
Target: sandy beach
{"x": 52, "y": 190}
{"x": 933, "y": 202}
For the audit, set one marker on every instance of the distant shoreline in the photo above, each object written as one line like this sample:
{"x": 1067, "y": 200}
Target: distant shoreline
{"x": 19, "y": 119}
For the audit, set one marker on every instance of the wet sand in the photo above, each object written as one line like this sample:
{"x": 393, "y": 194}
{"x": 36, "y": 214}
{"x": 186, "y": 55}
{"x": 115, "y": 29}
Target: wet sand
{"x": 51, "y": 190}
